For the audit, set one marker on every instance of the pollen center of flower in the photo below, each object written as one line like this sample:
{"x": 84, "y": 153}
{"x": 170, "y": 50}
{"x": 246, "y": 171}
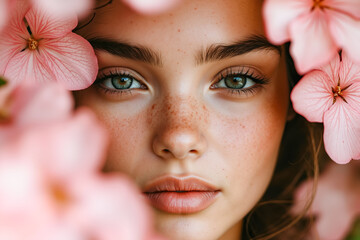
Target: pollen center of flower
{"x": 33, "y": 44}
{"x": 318, "y": 4}
{"x": 60, "y": 195}
{"x": 338, "y": 92}
{"x": 4, "y": 116}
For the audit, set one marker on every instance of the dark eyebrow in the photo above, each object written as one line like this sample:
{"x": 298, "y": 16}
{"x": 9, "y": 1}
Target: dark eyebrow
{"x": 125, "y": 50}
{"x": 219, "y": 52}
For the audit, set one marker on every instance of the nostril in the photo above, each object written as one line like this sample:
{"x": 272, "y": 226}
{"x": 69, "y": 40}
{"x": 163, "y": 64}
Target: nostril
{"x": 193, "y": 151}
{"x": 166, "y": 150}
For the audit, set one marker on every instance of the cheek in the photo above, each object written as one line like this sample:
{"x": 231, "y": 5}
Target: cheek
{"x": 125, "y": 137}
{"x": 248, "y": 145}
{"x": 126, "y": 129}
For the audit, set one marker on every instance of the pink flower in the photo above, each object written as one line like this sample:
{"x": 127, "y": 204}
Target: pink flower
{"x": 317, "y": 29}
{"x": 5, "y": 9}
{"x": 336, "y": 205}
{"x": 39, "y": 47}
{"x": 151, "y": 7}
{"x": 65, "y": 8}
{"x": 51, "y": 186}
{"x": 29, "y": 105}
{"x": 331, "y": 95}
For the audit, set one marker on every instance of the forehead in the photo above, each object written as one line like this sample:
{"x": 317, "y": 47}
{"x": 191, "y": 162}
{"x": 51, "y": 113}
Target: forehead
{"x": 190, "y": 23}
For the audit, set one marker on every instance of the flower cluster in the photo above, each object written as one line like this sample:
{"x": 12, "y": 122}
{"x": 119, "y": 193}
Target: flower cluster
{"x": 51, "y": 186}
{"x": 51, "y": 183}
{"x": 325, "y": 37}
{"x": 329, "y": 91}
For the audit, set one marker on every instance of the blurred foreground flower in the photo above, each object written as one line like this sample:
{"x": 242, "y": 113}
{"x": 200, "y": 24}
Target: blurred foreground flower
{"x": 37, "y": 46}
{"x": 51, "y": 185}
{"x": 5, "y": 9}
{"x": 151, "y": 7}
{"x": 331, "y": 95}
{"x": 337, "y": 202}
{"x": 27, "y": 106}
{"x": 65, "y": 8}
{"x": 317, "y": 29}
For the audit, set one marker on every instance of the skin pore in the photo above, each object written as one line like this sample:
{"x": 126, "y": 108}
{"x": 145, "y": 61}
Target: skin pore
{"x": 197, "y": 92}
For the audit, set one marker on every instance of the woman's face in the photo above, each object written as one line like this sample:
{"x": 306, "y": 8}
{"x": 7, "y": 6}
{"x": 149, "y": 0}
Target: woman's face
{"x": 196, "y": 102}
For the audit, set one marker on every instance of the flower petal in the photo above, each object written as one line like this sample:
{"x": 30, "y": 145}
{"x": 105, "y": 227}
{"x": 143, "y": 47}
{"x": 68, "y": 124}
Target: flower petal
{"x": 312, "y": 44}
{"x": 340, "y": 227}
{"x": 151, "y": 7}
{"x": 73, "y": 144}
{"x": 278, "y": 14}
{"x": 349, "y": 71}
{"x": 117, "y": 208}
{"x": 342, "y": 132}
{"x": 29, "y": 106}
{"x": 35, "y": 105}
{"x": 28, "y": 66}
{"x": 45, "y": 25}
{"x": 4, "y": 12}
{"x": 65, "y": 8}
{"x": 11, "y": 44}
{"x": 332, "y": 70}
{"x": 346, "y": 33}
{"x": 72, "y": 61}
{"x": 13, "y": 36}
{"x": 351, "y": 7}
{"x": 312, "y": 96}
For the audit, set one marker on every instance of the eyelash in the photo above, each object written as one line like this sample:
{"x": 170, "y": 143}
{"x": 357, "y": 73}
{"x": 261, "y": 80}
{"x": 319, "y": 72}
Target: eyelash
{"x": 247, "y": 73}
{"x": 112, "y": 74}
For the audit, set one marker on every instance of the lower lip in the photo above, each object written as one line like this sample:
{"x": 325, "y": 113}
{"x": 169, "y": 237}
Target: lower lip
{"x": 181, "y": 202}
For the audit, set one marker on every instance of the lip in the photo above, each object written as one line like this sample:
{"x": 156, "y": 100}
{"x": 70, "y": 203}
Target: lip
{"x": 181, "y": 195}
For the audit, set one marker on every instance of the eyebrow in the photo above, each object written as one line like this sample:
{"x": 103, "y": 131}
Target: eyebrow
{"x": 125, "y": 50}
{"x": 212, "y": 53}
{"x": 218, "y": 51}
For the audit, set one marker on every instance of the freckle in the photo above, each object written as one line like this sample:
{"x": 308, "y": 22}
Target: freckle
{"x": 171, "y": 22}
{"x": 179, "y": 30}
{"x": 154, "y": 20}
{"x": 152, "y": 107}
{"x": 131, "y": 22}
{"x": 171, "y": 14}
{"x": 195, "y": 9}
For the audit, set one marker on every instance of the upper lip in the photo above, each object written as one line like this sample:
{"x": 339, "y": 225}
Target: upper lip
{"x": 178, "y": 184}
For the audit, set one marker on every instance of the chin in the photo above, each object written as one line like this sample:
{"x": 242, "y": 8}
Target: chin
{"x": 187, "y": 226}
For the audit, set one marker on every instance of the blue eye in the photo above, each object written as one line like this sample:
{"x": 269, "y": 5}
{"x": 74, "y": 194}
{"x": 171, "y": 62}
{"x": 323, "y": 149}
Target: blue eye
{"x": 120, "y": 82}
{"x": 235, "y": 82}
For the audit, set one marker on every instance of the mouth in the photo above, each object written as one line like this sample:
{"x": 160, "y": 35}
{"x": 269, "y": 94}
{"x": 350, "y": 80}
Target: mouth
{"x": 180, "y": 195}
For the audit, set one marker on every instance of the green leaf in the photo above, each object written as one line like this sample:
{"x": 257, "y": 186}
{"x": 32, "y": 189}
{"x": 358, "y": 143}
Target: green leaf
{"x": 2, "y": 82}
{"x": 355, "y": 233}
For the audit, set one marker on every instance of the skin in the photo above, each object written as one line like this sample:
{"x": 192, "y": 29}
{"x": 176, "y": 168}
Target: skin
{"x": 181, "y": 124}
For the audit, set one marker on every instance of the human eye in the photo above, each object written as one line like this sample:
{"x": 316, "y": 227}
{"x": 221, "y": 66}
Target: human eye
{"x": 239, "y": 81}
{"x": 119, "y": 81}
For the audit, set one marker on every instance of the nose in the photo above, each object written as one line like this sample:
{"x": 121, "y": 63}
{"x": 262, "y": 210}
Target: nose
{"x": 179, "y": 135}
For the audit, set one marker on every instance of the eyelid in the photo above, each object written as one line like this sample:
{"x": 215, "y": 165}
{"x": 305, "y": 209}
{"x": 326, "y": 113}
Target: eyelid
{"x": 109, "y": 72}
{"x": 249, "y": 72}
{"x": 119, "y": 71}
